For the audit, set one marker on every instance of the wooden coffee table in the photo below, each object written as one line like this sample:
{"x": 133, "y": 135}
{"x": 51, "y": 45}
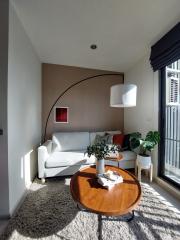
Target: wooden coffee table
{"x": 122, "y": 199}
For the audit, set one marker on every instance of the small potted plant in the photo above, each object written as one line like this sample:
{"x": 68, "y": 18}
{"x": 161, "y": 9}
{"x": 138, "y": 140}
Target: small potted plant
{"x": 100, "y": 151}
{"x": 144, "y": 146}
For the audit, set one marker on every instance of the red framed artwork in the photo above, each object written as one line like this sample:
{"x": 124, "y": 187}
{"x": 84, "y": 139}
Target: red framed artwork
{"x": 61, "y": 114}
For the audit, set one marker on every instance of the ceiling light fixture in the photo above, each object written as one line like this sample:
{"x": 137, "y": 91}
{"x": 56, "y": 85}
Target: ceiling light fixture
{"x": 93, "y": 46}
{"x": 123, "y": 95}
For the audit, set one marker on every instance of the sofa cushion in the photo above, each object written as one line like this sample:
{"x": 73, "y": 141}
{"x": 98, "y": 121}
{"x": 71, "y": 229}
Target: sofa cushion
{"x": 61, "y": 159}
{"x": 106, "y": 139}
{"x": 126, "y": 142}
{"x": 128, "y": 155}
{"x": 118, "y": 139}
{"x": 70, "y": 141}
{"x": 93, "y": 135}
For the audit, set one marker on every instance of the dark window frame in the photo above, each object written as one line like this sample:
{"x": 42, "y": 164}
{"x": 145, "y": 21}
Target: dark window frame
{"x": 162, "y": 116}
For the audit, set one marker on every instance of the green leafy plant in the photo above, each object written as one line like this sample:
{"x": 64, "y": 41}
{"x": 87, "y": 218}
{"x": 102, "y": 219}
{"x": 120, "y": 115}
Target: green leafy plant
{"x": 101, "y": 150}
{"x": 144, "y": 145}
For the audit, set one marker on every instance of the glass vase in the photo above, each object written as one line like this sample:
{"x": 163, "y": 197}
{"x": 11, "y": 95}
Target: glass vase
{"x": 100, "y": 167}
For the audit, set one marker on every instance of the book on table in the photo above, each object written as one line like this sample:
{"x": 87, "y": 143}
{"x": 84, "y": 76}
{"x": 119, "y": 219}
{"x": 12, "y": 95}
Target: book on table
{"x": 109, "y": 179}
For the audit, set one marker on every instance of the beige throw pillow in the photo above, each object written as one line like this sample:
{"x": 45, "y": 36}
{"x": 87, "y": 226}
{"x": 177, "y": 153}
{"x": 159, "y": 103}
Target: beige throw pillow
{"x": 106, "y": 139}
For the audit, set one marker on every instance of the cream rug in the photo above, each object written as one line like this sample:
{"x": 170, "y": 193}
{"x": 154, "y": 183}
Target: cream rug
{"x": 48, "y": 212}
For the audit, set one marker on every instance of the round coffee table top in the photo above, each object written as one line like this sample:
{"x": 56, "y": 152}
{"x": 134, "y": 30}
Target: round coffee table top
{"x": 119, "y": 200}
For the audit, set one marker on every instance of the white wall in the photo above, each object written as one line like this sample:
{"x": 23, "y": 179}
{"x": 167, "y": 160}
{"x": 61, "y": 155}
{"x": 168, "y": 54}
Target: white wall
{"x": 143, "y": 117}
{"x": 24, "y": 110}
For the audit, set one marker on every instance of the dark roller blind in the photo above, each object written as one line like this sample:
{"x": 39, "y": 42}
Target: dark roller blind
{"x": 166, "y": 50}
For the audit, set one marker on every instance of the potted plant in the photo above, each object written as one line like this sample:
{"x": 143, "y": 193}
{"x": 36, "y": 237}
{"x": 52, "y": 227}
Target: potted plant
{"x": 144, "y": 146}
{"x": 100, "y": 151}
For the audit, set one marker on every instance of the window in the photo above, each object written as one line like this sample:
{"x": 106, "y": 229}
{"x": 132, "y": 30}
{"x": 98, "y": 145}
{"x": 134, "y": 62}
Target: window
{"x": 172, "y": 84}
{"x": 169, "y": 167}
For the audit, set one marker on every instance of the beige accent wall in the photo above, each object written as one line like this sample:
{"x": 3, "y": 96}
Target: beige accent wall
{"x": 89, "y": 108}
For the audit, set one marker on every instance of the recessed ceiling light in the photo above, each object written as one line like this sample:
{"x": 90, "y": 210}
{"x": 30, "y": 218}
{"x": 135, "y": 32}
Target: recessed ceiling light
{"x": 93, "y": 46}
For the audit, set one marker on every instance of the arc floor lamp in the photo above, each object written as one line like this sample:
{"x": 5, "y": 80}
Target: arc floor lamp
{"x": 121, "y": 95}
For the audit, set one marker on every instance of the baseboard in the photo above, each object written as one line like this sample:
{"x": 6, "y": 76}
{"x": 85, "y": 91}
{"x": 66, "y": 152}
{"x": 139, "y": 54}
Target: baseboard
{"x": 19, "y": 203}
{"x": 3, "y": 225}
{"x": 14, "y": 211}
{"x": 8, "y": 216}
{"x": 5, "y": 217}
{"x": 175, "y": 192}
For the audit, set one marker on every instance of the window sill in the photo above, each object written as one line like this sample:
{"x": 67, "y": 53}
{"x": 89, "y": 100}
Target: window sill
{"x": 169, "y": 188}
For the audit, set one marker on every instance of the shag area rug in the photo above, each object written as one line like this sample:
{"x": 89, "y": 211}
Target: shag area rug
{"x": 49, "y": 212}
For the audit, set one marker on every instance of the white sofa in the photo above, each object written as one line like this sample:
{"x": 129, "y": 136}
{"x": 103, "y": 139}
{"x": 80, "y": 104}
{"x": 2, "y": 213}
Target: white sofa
{"x": 64, "y": 154}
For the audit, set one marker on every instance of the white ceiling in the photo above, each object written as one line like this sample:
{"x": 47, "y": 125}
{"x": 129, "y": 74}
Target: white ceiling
{"x": 63, "y": 30}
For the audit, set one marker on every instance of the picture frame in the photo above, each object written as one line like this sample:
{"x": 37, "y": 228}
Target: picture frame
{"x": 61, "y": 114}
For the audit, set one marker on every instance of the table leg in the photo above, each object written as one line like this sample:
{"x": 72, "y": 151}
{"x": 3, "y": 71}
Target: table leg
{"x": 132, "y": 216}
{"x": 99, "y": 227}
{"x": 151, "y": 172}
{"x": 80, "y": 208}
{"x": 126, "y": 218}
{"x": 139, "y": 173}
{"x": 99, "y": 221}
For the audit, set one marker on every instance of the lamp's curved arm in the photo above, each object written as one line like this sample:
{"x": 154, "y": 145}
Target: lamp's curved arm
{"x": 67, "y": 89}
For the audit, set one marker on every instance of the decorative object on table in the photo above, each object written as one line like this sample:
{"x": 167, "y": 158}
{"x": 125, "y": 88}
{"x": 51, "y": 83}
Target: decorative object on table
{"x": 143, "y": 147}
{"x": 100, "y": 151}
{"x": 61, "y": 114}
{"x": 109, "y": 179}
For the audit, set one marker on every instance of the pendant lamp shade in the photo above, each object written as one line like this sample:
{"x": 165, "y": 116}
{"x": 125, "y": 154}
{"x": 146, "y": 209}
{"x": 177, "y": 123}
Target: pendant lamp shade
{"x": 123, "y": 95}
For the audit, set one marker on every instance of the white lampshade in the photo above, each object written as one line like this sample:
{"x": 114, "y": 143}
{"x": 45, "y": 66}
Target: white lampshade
{"x": 123, "y": 95}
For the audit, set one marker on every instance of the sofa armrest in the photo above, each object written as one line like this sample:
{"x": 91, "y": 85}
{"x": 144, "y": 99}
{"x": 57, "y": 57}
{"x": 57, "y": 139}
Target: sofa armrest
{"x": 43, "y": 153}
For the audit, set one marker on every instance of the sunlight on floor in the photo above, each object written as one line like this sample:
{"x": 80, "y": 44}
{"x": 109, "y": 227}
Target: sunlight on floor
{"x": 166, "y": 201}
{"x": 39, "y": 219}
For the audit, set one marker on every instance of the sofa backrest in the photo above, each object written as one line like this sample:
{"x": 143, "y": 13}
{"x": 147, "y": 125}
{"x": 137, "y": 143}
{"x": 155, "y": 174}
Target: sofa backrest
{"x": 93, "y": 134}
{"x": 70, "y": 141}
